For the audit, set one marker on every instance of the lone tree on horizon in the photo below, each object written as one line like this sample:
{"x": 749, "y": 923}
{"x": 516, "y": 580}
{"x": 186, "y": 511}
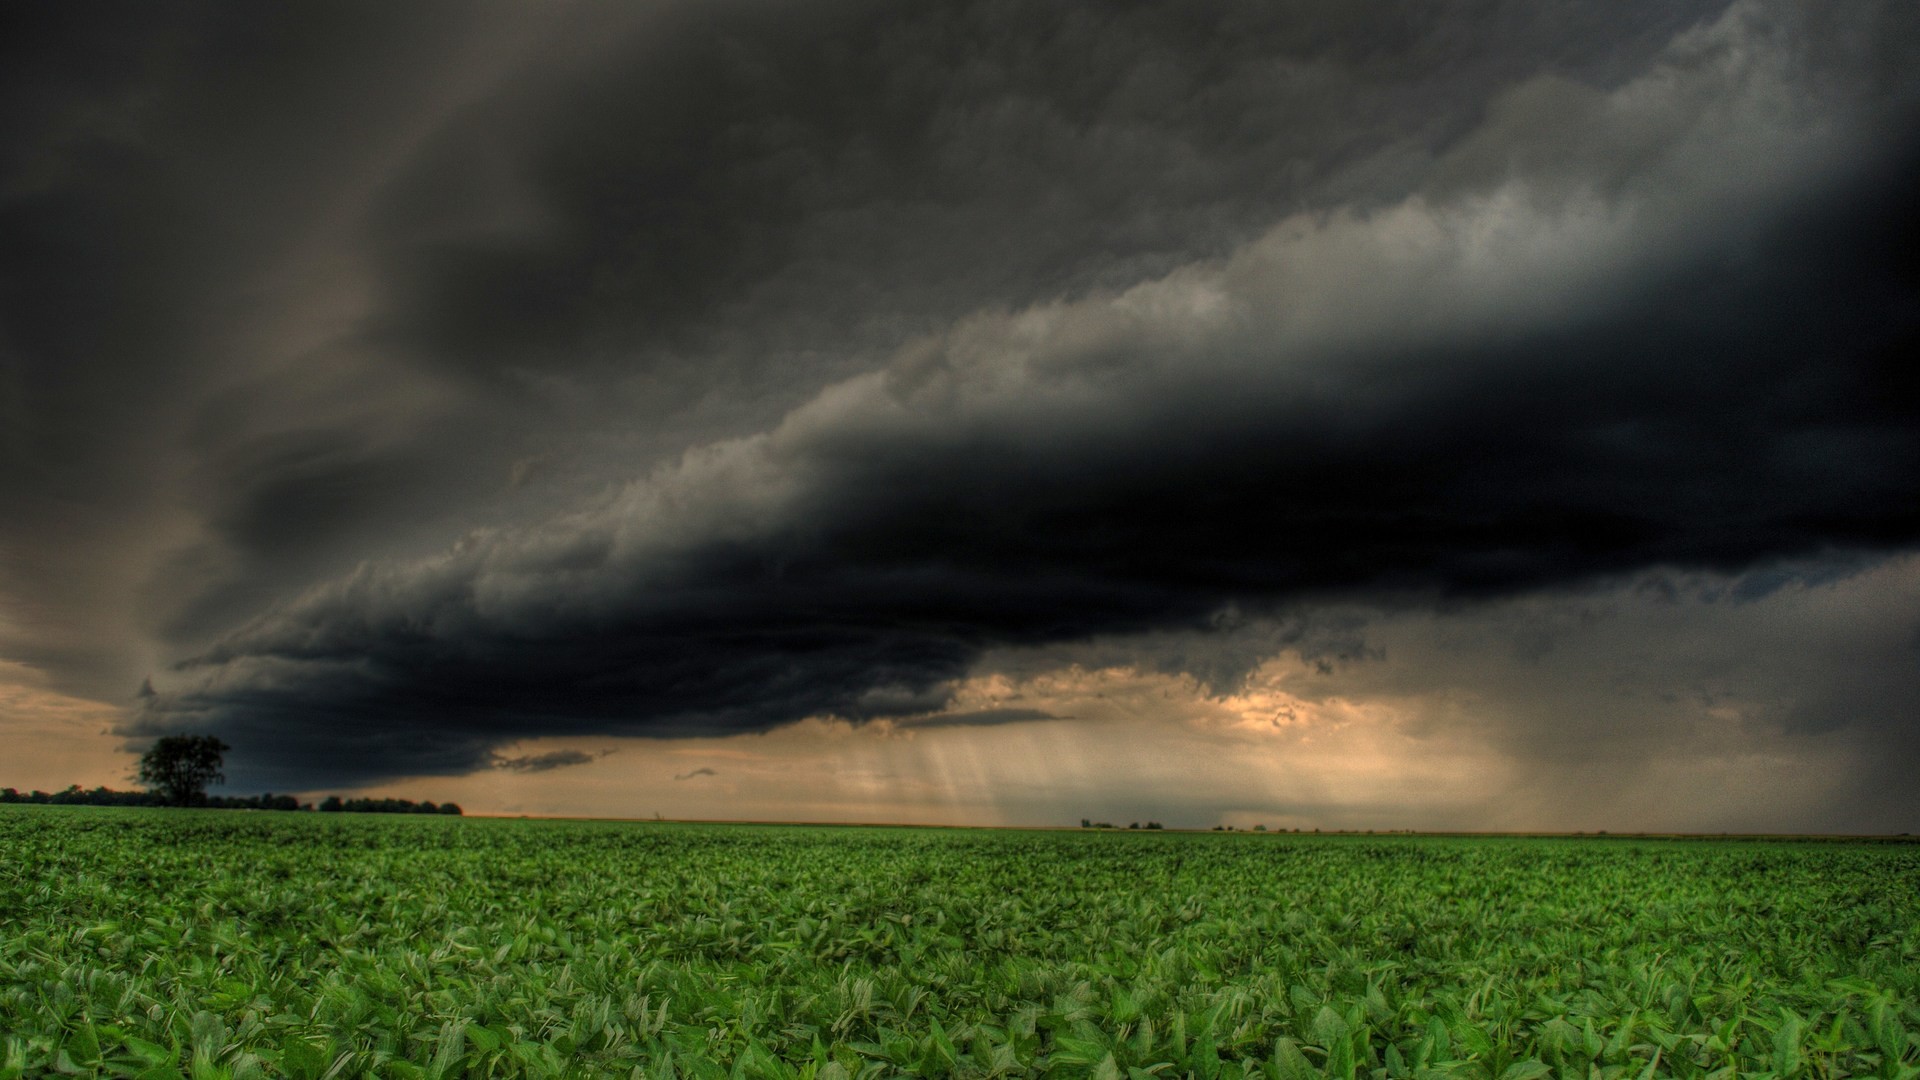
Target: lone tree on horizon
{"x": 180, "y": 767}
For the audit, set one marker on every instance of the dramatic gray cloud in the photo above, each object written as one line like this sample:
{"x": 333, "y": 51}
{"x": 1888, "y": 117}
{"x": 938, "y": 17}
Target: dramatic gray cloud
{"x": 173, "y": 183}
{"x": 776, "y": 362}
{"x": 552, "y": 759}
{"x": 1658, "y": 701}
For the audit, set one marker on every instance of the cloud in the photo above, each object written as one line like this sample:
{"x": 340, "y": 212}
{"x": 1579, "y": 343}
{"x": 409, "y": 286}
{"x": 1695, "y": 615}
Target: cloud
{"x": 1676, "y": 350}
{"x": 702, "y": 771}
{"x": 1772, "y": 700}
{"x": 178, "y": 225}
{"x": 980, "y": 718}
{"x": 544, "y": 762}
{"x": 1662, "y": 701}
{"x": 727, "y": 191}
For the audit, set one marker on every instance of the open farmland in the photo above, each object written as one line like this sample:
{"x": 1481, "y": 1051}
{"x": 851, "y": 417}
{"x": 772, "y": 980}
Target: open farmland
{"x": 140, "y": 942}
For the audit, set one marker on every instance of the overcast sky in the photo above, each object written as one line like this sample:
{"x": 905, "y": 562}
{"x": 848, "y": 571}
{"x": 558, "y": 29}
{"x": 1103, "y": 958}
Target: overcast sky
{"x": 1462, "y": 415}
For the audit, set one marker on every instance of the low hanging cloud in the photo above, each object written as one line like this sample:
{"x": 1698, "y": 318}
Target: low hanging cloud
{"x": 1769, "y": 701}
{"x": 1609, "y": 327}
{"x": 696, "y": 773}
{"x": 544, "y": 762}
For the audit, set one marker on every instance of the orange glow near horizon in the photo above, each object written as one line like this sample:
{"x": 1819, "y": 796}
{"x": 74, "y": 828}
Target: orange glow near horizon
{"x": 48, "y": 734}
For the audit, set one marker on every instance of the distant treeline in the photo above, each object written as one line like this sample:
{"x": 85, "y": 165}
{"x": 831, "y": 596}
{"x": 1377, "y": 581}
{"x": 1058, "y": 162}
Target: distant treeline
{"x": 333, "y": 803}
{"x": 102, "y": 796}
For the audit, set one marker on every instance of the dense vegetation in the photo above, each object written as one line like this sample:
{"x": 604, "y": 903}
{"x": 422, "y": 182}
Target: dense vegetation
{"x": 167, "y": 943}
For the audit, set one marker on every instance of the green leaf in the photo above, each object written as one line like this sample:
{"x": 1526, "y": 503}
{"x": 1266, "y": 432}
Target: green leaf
{"x": 1530, "y": 1069}
{"x": 486, "y": 1038}
{"x": 302, "y": 1060}
{"x": 1204, "y": 1058}
{"x": 149, "y": 1052}
{"x": 1290, "y": 1063}
{"x": 84, "y": 1045}
{"x": 1330, "y": 1027}
{"x": 1473, "y": 1039}
{"x": 1340, "y": 1064}
{"x": 946, "y": 1054}
{"x": 1786, "y": 1046}
{"x": 1074, "y": 1051}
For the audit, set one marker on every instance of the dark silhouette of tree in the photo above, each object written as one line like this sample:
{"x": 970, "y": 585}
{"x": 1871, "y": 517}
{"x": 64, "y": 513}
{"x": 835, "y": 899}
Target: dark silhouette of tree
{"x": 180, "y": 767}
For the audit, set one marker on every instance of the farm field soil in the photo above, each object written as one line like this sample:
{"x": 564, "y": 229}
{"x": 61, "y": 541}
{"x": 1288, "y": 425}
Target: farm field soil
{"x": 223, "y": 943}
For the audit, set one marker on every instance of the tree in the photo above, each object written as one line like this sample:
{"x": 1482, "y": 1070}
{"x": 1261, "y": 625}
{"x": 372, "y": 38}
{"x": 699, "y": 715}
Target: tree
{"x": 180, "y": 767}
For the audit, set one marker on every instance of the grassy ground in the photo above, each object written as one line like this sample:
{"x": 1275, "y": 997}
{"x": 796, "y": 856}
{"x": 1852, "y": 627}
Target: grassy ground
{"x": 165, "y": 943}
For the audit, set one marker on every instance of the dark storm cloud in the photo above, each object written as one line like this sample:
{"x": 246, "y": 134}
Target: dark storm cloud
{"x": 245, "y": 247}
{"x": 928, "y": 332}
{"x": 744, "y": 187}
{"x": 548, "y": 761}
{"x": 863, "y": 554}
{"x": 158, "y": 167}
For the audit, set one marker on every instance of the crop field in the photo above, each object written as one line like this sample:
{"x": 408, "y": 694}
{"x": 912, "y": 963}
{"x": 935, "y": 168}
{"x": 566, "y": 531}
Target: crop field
{"x": 227, "y": 943}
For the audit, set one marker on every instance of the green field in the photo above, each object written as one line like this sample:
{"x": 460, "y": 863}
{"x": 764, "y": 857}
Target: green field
{"x": 210, "y": 943}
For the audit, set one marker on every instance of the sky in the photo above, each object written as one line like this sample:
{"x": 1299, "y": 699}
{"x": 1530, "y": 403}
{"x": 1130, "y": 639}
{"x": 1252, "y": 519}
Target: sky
{"x": 1471, "y": 415}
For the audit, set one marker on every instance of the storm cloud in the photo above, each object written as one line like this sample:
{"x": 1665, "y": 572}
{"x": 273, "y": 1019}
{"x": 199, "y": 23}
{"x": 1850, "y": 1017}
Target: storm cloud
{"x": 544, "y": 762}
{"x": 775, "y": 363}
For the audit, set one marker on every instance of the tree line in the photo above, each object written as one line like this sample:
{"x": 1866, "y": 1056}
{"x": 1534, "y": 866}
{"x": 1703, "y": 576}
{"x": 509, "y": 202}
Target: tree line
{"x": 177, "y": 770}
{"x": 75, "y": 795}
